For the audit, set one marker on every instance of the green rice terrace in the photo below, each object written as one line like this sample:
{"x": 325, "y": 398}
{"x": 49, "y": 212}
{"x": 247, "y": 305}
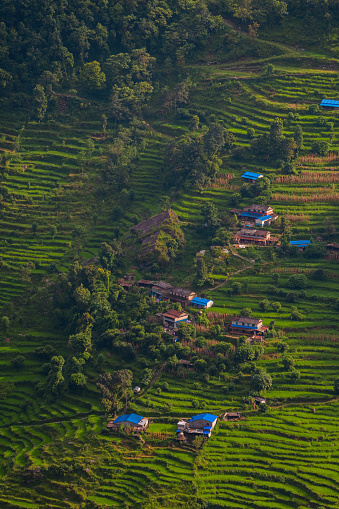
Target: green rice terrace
{"x": 72, "y": 187}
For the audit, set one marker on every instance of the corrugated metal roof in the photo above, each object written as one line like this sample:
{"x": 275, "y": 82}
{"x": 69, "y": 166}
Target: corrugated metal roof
{"x": 330, "y": 102}
{"x": 264, "y": 218}
{"x": 205, "y": 417}
{"x": 251, "y": 214}
{"x": 300, "y": 242}
{"x": 251, "y": 175}
{"x": 200, "y": 301}
{"x": 133, "y": 418}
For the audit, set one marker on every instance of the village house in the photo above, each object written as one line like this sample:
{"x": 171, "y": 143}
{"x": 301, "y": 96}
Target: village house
{"x": 247, "y": 326}
{"x": 145, "y": 283}
{"x": 256, "y": 237}
{"x": 259, "y": 215}
{"x": 201, "y": 424}
{"x": 172, "y": 317}
{"x": 181, "y": 295}
{"x": 249, "y": 176}
{"x": 301, "y": 245}
{"x": 136, "y": 422}
{"x": 200, "y": 303}
{"x": 161, "y": 290}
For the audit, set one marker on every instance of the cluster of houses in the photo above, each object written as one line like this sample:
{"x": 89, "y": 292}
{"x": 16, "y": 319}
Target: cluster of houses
{"x": 255, "y": 216}
{"x": 201, "y": 424}
{"x": 163, "y": 291}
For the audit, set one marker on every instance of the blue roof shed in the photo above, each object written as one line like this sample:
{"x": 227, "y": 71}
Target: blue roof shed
{"x": 329, "y": 103}
{"x": 132, "y": 418}
{"x": 300, "y": 243}
{"x": 251, "y": 176}
{"x": 200, "y": 302}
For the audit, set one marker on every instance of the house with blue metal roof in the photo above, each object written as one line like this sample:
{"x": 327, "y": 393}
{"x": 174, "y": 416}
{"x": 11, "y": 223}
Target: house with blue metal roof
{"x": 199, "y": 302}
{"x": 300, "y": 244}
{"x": 201, "y": 424}
{"x": 135, "y": 421}
{"x": 260, "y": 215}
{"x": 249, "y": 176}
{"x": 329, "y": 103}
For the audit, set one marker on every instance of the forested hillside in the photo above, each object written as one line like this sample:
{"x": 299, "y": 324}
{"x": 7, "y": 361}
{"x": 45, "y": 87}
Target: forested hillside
{"x": 127, "y": 128}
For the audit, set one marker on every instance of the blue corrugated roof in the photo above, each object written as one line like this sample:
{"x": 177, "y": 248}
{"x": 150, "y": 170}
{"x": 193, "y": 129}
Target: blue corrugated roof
{"x": 206, "y": 417}
{"x": 250, "y": 214}
{"x": 330, "y": 102}
{"x": 244, "y": 326}
{"x": 251, "y": 175}
{"x": 200, "y": 301}
{"x": 300, "y": 242}
{"x": 265, "y": 218}
{"x": 133, "y": 418}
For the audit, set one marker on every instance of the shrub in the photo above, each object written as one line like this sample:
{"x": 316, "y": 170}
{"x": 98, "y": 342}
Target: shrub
{"x": 264, "y": 305}
{"x": 298, "y": 281}
{"x": 18, "y": 362}
{"x": 288, "y": 362}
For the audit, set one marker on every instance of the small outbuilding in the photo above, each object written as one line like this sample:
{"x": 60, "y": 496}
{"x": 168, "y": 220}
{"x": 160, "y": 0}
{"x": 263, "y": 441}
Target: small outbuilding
{"x": 136, "y": 422}
{"x": 300, "y": 244}
{"x": 199, "y": 302}
{"x": 329, "y": 103}
{"x": 259, "y": 400}
{"x": 136, "y": 389}
{"x": 249, "y": 176}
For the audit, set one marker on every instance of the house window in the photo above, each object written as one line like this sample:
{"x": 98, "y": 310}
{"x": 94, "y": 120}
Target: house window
{"x": 253, "y": 324}
{"x": 243, "y": 323}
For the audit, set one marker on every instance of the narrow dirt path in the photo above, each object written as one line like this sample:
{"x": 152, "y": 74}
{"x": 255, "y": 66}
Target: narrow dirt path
{"x": 251, "y": 264}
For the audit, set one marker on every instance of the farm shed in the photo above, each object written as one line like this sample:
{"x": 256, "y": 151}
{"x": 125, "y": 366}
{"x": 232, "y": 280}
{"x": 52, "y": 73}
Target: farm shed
{"x": 333, "y": 246}
{"x": 259, "y": 400}
{"x": 329, "y": 103}
{"x": 137, "y": 422}
{"x": 136, "y": 389}
{"x": 249, "y": 176}
{"x": 199, "y": 302}
{"x": 300, "y": 244}
{"x": 172, "y": 317}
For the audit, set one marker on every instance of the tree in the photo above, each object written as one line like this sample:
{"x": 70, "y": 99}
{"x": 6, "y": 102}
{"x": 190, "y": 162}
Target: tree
{"x": 113, "y": 387}
{"x": 92, "y": 76}
{"x": 276, "y": 306}
{"x": 210, "y": 215}
{"x": 264, "y": 305}
{"x": 201, "y": 269}
{"x": 336, "y": 386}
{"x": 295, "y": 314}
{"x": 194, "y": 124}
{"x": 294, "y": 374}
{"x": 320, "y": 147}
{"x": 288, "y": 362}
{"x": 18, "y": 362}
{"x": 216, "y": 138}
{"x": 55, "y": 379}
{"x": 78, "y": 235}
{"x": 82, "y": 297}
{"x": 53, "y": 230}
{"x": 147, "y": 376}
{"x": 244, "y": 353}
{"x": 298, "y": 137}
{"x": 35, "y": 228}
{"x": 81, "y": 342}
{"x": 282, "y": 347}
{"x": 298, "y": 281}
{"x": 77, "y": 382}
{"x": 104, "y": 123}
{"x": 261, "y": 381}
{"x": 246, "y": 312}
{"x": 40, "y": 101}
{"x": 5, "y": 324}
